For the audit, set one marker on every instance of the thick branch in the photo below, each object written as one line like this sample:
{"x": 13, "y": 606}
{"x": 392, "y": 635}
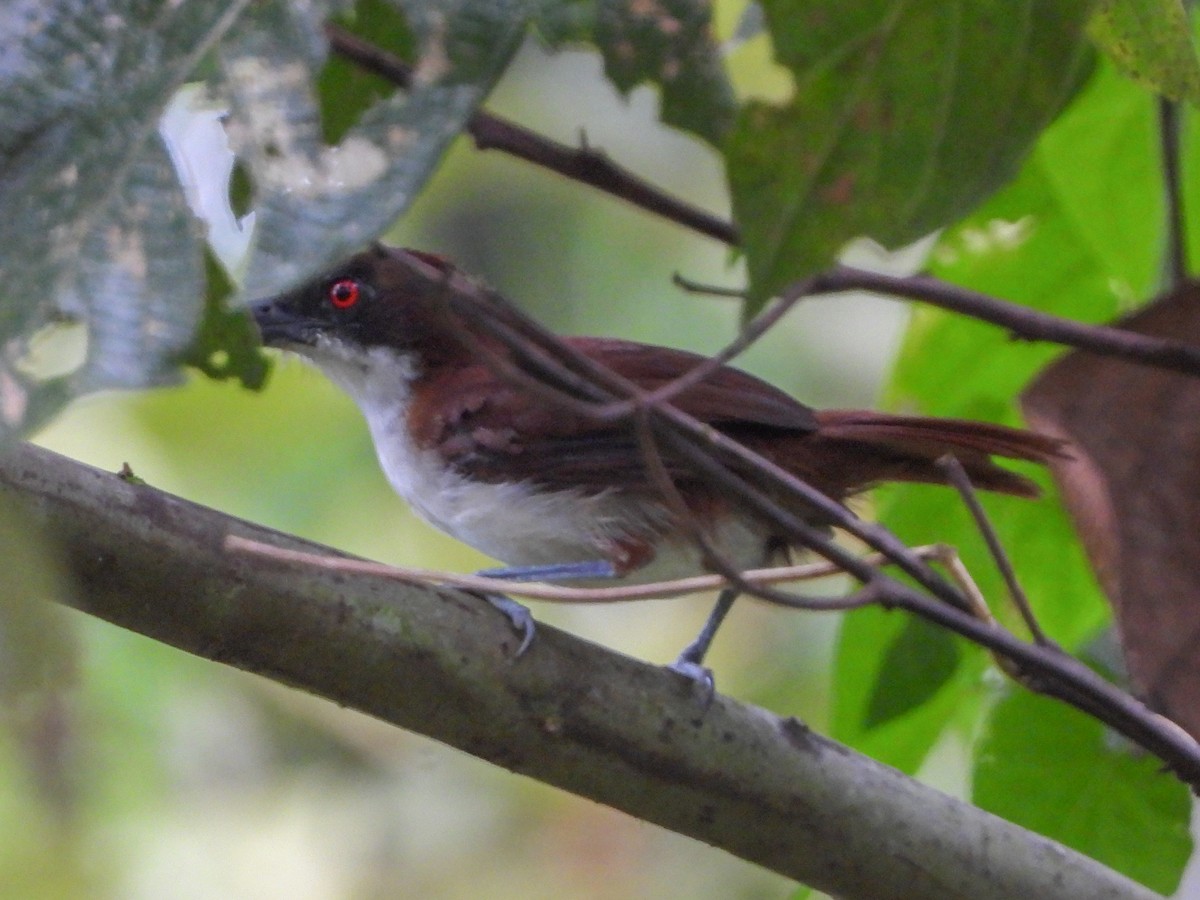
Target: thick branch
{"x": 568, "y": 713}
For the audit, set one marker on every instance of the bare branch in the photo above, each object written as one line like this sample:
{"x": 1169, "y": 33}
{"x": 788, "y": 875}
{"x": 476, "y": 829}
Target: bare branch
{"x": 1023, "y": 322}
{"x": 555, "y": 593}
{"x": 745, "y": 338}
{"x": 583, "y": 164}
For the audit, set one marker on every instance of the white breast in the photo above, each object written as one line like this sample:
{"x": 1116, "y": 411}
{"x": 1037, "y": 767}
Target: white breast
{"x": 514, "y": 523}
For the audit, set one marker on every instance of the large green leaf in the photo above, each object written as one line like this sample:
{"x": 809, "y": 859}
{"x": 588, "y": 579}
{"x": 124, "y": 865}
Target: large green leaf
{"x": 1054, "y": 241}
{"x": 1151, "y": 42}
{"x": 905, "y": 116}
{"x": 316, "y": 203}
{"x": 1054, "y": 770}
{"x": 95, "y": 226}
{"x": 1050, "y": 240}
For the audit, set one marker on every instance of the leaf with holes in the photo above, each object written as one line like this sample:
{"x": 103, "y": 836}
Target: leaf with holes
{"x": 1151, "y": 42}
{"x": 669, "y": 43}
{"x": 93, "y": 211}
{"x": 316, "y": 203}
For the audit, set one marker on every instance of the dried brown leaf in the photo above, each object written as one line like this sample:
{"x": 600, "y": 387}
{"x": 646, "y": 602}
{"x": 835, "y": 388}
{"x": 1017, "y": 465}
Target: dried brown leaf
{"x": 1133, "y": 490}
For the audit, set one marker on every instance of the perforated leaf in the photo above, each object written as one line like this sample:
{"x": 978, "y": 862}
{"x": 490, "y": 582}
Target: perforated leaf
{"x": 316, "y": 203}
{"x": 95, "y": 227}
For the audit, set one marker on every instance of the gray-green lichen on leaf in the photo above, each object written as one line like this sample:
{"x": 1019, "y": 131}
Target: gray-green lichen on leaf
{"x": 96, "y": 228}
{"x": 316, "y": 203}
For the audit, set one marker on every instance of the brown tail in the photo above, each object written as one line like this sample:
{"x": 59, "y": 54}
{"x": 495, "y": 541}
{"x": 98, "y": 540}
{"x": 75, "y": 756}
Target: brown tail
{"x": 912, "y": 445}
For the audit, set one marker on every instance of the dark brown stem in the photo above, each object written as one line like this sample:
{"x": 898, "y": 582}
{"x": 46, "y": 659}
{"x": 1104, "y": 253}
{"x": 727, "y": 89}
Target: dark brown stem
{"x": 582, "y": 164}
{"x": 745, "y": 338}
{"x": 1027, "y": 324}
{"x": 958, "y": 477}
{"x": 1175, "y": 266}
{"x": 717, "y": 561}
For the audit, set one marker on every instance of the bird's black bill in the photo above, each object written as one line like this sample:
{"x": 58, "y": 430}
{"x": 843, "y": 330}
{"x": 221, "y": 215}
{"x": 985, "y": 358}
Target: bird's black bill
{"x": 280, "y": 325}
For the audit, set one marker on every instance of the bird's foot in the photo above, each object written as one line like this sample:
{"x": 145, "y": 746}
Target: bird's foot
{"x": 697, "y": 673}
{"x": 518, "y": 616}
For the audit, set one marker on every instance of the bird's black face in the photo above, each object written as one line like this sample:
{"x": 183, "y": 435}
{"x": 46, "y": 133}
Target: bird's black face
{"x": 377, "y": 298}
{"x": 336, "y": 304}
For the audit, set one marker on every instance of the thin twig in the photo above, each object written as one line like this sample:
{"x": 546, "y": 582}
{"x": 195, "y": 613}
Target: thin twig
{"x": 746, "y": 337}
{"x": 555, "y": 593}
{"x": 1023, "y": 322}
{"x": 1175, "y": 267}
{"x": 711, "y": 290}
{"x": 585, "y": 165}
{"x": 958, "y": 477}
{"x": 713, "y": 557}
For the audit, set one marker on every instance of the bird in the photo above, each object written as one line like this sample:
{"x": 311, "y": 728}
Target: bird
{"x": 555, "y": 494}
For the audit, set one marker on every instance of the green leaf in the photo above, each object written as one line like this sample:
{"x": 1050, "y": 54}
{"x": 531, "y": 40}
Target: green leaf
{"x": 227, "y": 345}
{"x": 1151, "y": 42}
{"x": 866, "y": 670}
{"x": 669, "y": 43}
{"x": 878, "y": 144}
{"x": 918, "y": 661}
{"x": 1116, "y": 121}
{"x": 316, "y": 203}
{"x": 93, "y": 213}
{"x": 346, "y": 90}
{"x": 1050, "y": 241}
{"x": 1056, "y": 771}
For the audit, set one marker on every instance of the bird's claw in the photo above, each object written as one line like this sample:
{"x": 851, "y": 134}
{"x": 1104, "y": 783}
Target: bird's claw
{"x": 699, "y": 675}
{"x": 518, "y": 616}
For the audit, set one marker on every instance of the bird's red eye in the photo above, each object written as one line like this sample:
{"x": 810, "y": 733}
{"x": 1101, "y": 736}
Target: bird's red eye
{"x": 344, "y": 293}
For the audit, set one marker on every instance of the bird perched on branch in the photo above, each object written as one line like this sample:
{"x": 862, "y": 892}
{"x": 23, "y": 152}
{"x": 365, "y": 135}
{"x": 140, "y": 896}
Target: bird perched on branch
{"x": 556, "y": 493}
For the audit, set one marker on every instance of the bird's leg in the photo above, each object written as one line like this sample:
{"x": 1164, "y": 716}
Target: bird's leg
{"x": 591, "y": 568}
{"x": 519, "y": 615}
{"x": 690, "y": 663}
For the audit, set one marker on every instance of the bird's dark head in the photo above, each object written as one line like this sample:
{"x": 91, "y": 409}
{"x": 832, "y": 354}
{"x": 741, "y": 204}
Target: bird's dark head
{"x": 377, "y": 298}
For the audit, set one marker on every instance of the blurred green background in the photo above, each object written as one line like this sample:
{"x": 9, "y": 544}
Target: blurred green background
{"x": 145, "y": 773}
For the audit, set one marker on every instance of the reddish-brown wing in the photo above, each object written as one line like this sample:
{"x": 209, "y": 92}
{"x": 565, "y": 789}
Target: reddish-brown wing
{"x": 494, "y": 431}
{"x": 490, "y": 429}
